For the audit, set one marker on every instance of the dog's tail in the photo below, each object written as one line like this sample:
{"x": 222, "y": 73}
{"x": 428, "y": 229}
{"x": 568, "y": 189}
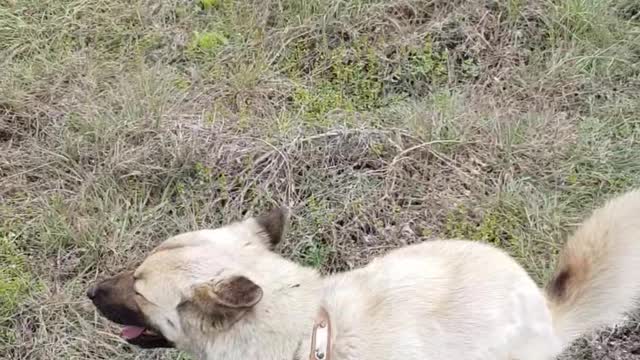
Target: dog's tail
{"x": 597, "y": 280}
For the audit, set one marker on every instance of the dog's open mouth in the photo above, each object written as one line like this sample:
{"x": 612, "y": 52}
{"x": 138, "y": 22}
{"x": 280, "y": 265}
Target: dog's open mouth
{"x": 132, "y": 332}
{"x": 144, "y": 337}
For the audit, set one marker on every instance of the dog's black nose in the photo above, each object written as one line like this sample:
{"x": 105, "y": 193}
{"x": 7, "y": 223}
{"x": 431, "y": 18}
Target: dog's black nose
{"x": 92, "y": 292}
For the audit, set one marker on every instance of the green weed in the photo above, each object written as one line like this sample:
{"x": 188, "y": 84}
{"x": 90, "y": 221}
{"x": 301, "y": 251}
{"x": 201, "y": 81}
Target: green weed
{"x": 17, "y": 283}
{"x": 210, "y": 4}
{"x": 314, "y": 255}
{"x": 207, "y": 43}
{"x": 429, "y": 64}
{"x": 495, "y": 227}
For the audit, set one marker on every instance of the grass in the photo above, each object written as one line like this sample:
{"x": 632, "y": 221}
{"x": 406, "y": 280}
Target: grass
{"x": 16, "y": 282}
{"x": 382, "y": 123}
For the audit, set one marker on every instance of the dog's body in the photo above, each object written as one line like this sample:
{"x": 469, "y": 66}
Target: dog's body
{"x": 222, "y": 294}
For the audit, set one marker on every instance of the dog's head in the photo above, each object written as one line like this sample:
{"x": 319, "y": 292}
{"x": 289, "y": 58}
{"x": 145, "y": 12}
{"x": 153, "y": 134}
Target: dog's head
{"x": 199, "y": 281}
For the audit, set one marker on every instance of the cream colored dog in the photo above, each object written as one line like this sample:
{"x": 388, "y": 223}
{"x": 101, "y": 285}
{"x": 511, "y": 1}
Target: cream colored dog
{"x": 223, "y": 294}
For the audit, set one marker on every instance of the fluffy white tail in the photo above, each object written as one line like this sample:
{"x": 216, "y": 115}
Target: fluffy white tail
{"x": 597, "y": 280}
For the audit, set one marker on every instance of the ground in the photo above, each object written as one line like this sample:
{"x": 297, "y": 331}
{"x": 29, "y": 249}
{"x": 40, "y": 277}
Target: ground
{"x": 380, "y": 123}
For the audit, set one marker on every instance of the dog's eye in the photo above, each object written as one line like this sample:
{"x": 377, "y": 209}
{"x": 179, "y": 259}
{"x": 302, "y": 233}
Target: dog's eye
{"x": 135, "y": 291}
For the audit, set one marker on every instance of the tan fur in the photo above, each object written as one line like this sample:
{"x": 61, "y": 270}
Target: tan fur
{"x": 600, "y": 269}
{"x": 448, "y": 299}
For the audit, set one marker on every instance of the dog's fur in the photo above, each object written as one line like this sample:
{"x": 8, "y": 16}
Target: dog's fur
{"x": 223, "y": 294}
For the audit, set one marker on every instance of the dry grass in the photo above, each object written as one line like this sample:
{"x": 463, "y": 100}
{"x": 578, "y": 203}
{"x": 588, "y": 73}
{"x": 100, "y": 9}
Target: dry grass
{"x": 381, "y": 123}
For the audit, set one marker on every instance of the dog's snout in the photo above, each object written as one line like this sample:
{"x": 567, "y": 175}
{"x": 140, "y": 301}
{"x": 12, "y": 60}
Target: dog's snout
{"x": 114, "y": 298}
{"x": 92, "y": 292}
{"x": 99, "y": 291}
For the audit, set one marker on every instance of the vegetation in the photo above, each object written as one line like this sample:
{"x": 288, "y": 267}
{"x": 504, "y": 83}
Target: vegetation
{"x": 381, "y": 123}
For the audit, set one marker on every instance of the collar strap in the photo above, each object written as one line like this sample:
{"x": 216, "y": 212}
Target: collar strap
{"x": 321, "y": 337}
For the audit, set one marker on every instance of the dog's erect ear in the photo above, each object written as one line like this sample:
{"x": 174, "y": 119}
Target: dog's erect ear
{"x": 273, "y": 225}
{"x": 236, "y": 292}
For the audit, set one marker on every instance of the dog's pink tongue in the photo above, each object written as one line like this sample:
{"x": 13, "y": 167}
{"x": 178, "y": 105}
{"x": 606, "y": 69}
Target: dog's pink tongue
{"x": 131, "y": 332}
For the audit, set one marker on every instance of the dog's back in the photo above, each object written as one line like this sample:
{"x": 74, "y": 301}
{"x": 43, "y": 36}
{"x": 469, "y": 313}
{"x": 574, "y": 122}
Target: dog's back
{"x": 455, "y": 299}
{"x": 441, "y": 300}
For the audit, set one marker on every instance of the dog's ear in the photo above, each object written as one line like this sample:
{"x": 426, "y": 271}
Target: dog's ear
{"x": 223, "y": 302}
{"x": 236, "y": 292}
{"x": 272, "y": 225}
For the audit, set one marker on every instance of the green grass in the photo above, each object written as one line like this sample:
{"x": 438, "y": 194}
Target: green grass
{"x": 585, "y": 21}
{"x": 16, "y": 282}
{"x": 382, "y": 123}
{"x": 206, "y": 44}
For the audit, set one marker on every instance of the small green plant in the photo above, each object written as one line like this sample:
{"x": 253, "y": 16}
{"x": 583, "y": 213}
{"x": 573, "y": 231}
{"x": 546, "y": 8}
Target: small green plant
{"x": 470, "y": 68}
{"x": 318, "y": 103}
{"x": 150, "y": 42}
{"x": 358, "y": 75}
{"x": 182, "y": 83}
{"x": 209, "y": 4}
{"x": 207, "y": 43}
{"x": 494, "y": 227}
{"x": 429, "y": 64}
{"x": 315, "y": 254}
{"x": 202, "y": 173}
{"x": 457, "y": 226}
{"x": 197, "y": 178}
{"x": 349, "y": 79}
{"x": 377, "y": 148}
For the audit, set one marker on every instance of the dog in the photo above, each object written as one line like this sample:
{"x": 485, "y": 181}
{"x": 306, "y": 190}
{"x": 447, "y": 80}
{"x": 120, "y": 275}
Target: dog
{"x": 225, "y": 294}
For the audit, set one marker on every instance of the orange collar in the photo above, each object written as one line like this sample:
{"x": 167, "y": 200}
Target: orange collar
{"x": 321, "y": 337}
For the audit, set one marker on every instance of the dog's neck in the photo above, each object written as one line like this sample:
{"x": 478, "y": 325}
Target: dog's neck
{"x": 278, "y": 327}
